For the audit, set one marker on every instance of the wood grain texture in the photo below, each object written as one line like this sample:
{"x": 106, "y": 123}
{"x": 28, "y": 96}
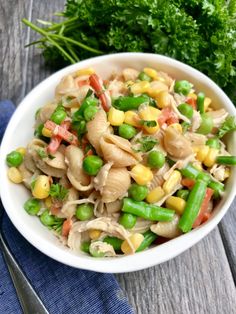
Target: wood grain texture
{"x": 227, "y": 229}
{"x": 198, "y": 281}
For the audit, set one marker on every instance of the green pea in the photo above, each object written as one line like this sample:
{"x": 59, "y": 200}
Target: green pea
{"x": 85, "y": 246}
{"x": 95, "y": 253}
{"x": 127, "y": 131}
{"x": 206, "y": 124}
{"x": 186, "y": 110}
{"x": 47, "y": 219}
{"x": 14, "y": 159}
{"x": 58, "y": 116}
{"x": 84, "y": 212}
{"x": 115, "y": 242}
{"x": 32, "y": 206}
{"x": 92, "y": 164}
{"x": 144, "y": 77}
{"x": 185, "y": 126}
{"x": 182, "y": 87}
{"x": 90, "y": 112}
{"x": 213, "y": 142}
{"x": 127, "y": 220}
{"x": 183, "y": 194}
{"x": 155, "y": 159}
{"x": 138, "y": 192}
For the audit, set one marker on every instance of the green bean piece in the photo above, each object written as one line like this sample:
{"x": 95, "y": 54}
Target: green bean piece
{"x": 114, "y": 241}
{"x": 190, "y": 172}
{"x": 183, "y": 194}
{"x": 186, "y": 110}
{"x": 138, "y": 192}
{"x": 156, "y": 159}
{"x": 200, "y": 102}
{"x": 92, "y": 164}
{"x": 204, "y": 177}
{"x": 127, "y": 220}
{"x": 126, "y": 103}
{"x": 213, "y": 142}
{"x": 84, "y": 212}
{"x": 206, "y": 124}
{"x": 147, "y": 211}
{"x": 144, "y": 77}
{"x": 14, "y": 159}
{"x": 149, "y": 237}
{"x": 85, "y": 246}
{"x": 217, "y": 187}
{"x": 182, "y": 87}
{"x": 127, "y": 131}
{"x": 226, "y": 160}
{"x": 193, "y": 206}
{"x": 32, "y": 206}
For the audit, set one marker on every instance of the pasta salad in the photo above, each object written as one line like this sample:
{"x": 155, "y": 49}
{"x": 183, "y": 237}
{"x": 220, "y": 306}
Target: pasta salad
{"x": 118, "y": 165}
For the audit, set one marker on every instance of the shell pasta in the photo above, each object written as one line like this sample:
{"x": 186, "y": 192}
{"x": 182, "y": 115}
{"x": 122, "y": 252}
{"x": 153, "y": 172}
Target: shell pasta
{"x": 118, "y": 165}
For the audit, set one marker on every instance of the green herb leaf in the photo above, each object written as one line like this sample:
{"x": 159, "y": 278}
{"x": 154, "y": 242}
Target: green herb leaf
{"x": 58, "y": 191}
{"x": 228, "y": 126}
{"x": 148, "y": 123}
{"x": 41, "y": 152}
{"x": 146, "y": 143}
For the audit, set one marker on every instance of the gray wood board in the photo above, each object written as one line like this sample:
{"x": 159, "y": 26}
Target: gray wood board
{"x": 199, "y": 280}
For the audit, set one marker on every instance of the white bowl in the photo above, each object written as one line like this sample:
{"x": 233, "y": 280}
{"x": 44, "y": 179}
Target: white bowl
{"x": 20, "y": 131}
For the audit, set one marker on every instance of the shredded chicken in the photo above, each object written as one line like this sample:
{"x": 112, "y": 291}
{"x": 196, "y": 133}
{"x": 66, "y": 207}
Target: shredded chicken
{"x": 196, "y": 121}
{"x": 218, "y": 117}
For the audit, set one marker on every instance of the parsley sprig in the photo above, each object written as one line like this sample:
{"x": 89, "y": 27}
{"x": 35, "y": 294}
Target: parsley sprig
{"x": 58, "y": 192}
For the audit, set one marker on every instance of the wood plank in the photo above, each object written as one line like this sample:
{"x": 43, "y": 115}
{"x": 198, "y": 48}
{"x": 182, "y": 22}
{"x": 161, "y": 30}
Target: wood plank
{"x": 13, "y": 56}
{"x": 228, "y": 234}
{"x": 197, "y": 281}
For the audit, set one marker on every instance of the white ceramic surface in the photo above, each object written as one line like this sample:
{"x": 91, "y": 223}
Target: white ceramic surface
{"x": 20, "y": 131}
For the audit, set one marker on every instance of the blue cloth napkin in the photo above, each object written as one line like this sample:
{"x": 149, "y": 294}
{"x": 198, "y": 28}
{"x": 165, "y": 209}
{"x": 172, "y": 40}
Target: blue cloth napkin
{"x": 62, "y": 289}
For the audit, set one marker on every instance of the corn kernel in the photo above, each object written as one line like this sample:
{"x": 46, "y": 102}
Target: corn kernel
{"x": 132, "y": 118}
{"x": 21, "y": 150}
{"x": 141, "y": 174}
{"x": 87, "y": 71}
{"x": 155, "y": 112}
{"x": 176, "y": 203}
{"x": 136, "y": 239}
{"x": 210, "y": 159}
{"x": 151, "y": 72}
{"x": 146, "y": 114}
{"x": 94, "y": 234}
{"x": 155, "y": 88}
{"x": 227, "y": 173}
{"x": 14, "y": 175}
{"x": 41, "y": 187}
{"x": 193, "y": 96}
{"x": 202, "y": 152}
{"x": 48, "y": 202}
{"x": 207, "y": 102}
{"x": 116, "y": 117}
{"x": 155, "y": 195}
{"x": 46, "y": 132}
{"x": 173, "y": 180}
{"x": 163, "y": 99}
{"x": 177, "y": 127}
{"x": 140, "y": 87}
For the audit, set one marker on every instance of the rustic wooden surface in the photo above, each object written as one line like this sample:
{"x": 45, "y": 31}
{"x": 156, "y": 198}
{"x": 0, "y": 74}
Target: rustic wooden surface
{"x": 201, "y": 280}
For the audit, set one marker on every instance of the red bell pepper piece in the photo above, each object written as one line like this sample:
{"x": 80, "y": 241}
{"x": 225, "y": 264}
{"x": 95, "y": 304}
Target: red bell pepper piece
{"x": 192, "y": 102}
{"x": 67, "y": 224}
{"x": 167, "y": 116}
{"x": 203, "y": 209}
{"x": 61, "y": 133}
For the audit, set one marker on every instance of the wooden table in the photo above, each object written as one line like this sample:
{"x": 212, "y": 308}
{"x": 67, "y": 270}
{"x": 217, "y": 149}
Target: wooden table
{"x": 201, "y": 280}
